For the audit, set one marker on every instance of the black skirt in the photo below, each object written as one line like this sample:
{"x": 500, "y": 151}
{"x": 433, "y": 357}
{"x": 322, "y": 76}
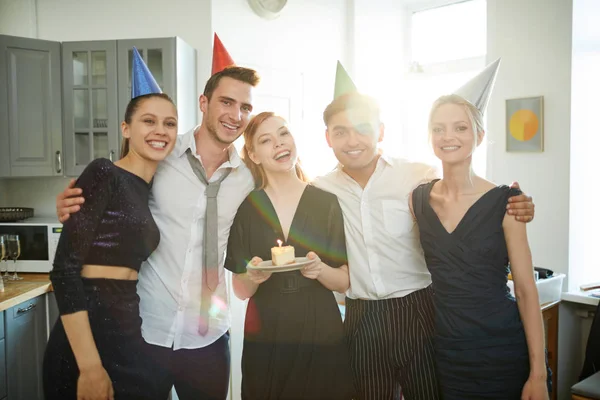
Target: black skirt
{"x": 113, "y": 308}
{"x": 294, "y": 343}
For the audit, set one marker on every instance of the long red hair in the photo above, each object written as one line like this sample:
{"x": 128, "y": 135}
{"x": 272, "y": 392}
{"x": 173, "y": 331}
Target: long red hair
{"x": 258, "y": 173}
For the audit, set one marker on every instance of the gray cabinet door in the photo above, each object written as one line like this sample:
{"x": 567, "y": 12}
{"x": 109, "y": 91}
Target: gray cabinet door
{"x": 53, "y": 311}
{"x": 91, "y": 121}
{"x": 3, "y": 389}
{"x": 25, "y": 346}
{"x": 159, "y": 55}
{"x": 30, "y": 107}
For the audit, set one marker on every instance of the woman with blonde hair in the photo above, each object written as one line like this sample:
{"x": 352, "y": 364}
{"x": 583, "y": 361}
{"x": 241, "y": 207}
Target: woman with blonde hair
{"x": 294, "y": 344}
{"x": 488, "y": 345}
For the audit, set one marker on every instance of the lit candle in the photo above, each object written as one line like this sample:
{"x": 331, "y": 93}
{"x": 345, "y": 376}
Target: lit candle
{"x": 282, "y": 255}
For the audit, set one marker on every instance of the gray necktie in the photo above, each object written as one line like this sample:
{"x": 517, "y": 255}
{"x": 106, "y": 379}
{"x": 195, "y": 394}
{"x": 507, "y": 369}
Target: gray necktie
{"x": 210, "y": 267}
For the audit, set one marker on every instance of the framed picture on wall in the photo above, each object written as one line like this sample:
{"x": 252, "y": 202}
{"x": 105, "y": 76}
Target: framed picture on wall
{"x": 525, "y": 125}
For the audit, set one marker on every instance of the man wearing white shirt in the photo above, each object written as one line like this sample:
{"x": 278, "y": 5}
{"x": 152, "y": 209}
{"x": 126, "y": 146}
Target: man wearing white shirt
{"x": 191, "y": 350}
{"x": 389, "y": 306}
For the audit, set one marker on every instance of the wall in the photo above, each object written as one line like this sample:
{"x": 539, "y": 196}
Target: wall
{"x": 37, "y": 193}
{"x": 296, "y": 56}
{"x": 18, "y": 18}
{"x": 533, "y": 38}
{"x": 3, "y": 193}
{"x": 584, "y": 212}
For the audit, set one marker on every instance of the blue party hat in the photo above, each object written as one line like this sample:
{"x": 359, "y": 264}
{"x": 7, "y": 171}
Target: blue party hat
{"x": 142, "y": 81}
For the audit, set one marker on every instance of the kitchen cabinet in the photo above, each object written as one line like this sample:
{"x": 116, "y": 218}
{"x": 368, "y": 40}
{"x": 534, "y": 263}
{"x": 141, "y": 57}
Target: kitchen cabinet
{"x": 97, "y": 89}
{"x": 550, "y": 318}
{"x": 26, "y": 337}
{"x": 173, "y": 64}
{"x": 30, "y": 107}
{"x": 53, "y": 312}
{"x": 53, "y": 127}
{"x": 3, "y": 390}
{"x": 90, "y": 103}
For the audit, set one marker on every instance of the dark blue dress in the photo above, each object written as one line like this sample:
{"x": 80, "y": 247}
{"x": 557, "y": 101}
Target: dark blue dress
{"x": 480, "y": 344}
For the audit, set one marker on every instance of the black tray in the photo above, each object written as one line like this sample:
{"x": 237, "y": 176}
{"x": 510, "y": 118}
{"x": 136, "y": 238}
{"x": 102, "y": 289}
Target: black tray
{"x": 14, "y": 214}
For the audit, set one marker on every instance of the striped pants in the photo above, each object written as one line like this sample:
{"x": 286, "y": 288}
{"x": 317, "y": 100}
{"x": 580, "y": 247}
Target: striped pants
{"x": 391, "y": 347}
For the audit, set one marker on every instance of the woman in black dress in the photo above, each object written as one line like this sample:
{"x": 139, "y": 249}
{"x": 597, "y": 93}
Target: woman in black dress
{"x": 488, "y": 345}
{"x": 294, "y": 344}
{"x": 95, "y": 348}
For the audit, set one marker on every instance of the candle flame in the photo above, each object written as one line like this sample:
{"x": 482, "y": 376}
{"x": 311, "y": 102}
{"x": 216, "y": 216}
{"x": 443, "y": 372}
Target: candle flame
{"x": 279, "y": 242}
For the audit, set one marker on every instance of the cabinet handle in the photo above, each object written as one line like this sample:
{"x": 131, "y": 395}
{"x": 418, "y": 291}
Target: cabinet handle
{"x": 26, "y": 309}
{"x": 58, "y": 162}
{"x": 111, "y": 155}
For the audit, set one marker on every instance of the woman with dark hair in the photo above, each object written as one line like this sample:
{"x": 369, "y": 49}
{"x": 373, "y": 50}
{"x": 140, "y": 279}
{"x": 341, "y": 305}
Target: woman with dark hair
{"x": 294, "y": 344}
{"x": 95, "y": 348}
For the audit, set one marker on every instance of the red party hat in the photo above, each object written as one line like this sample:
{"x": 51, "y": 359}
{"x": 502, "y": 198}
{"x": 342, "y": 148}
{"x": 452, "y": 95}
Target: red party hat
{"x": 221, "y": 58}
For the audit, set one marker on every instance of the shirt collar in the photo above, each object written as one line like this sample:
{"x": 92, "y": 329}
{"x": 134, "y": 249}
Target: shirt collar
{"x": 188, "y": 141}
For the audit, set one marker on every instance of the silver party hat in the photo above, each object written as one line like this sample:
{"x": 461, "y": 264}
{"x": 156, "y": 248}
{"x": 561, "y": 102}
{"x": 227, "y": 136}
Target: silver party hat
{"x": 478, "y": 90}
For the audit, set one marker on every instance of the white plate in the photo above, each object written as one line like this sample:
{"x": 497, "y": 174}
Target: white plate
{"x": 268, "y": 266}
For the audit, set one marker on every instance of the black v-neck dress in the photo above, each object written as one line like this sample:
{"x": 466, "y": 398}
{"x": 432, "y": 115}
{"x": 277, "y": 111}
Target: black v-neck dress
{"x": 294, "y": 346}
{"x": 480, "y": 344}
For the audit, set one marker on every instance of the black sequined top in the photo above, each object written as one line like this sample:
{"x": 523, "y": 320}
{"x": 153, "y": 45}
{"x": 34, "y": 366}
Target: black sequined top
{"x": 114, "y": 227}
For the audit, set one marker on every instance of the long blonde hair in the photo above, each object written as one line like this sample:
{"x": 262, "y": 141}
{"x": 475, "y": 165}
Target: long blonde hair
{"x": 258, "y": 172}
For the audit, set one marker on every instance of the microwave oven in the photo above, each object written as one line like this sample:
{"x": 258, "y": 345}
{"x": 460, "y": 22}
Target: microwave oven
{"x": 38, "y": 238}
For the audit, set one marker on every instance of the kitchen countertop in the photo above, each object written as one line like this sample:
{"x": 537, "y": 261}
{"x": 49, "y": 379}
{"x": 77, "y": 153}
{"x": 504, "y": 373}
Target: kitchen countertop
{"x": 581, "y": 297}
{"x": 17, "y": 292}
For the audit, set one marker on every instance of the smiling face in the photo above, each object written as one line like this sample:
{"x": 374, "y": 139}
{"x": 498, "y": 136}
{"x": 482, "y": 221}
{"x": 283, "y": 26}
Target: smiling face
{"x": 273, "y": 146}
{"x": 151, "y": 127}
{"x": 455, "y": 131}
{"x": 227, "y": 112}
{"x": 353, "y": 135}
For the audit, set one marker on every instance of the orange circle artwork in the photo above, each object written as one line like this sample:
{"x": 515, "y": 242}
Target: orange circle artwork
{"x": 523, "y": 125}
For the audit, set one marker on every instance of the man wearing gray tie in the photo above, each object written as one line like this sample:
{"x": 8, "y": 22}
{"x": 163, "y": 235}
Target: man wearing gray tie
{"x": 183, "y": 297}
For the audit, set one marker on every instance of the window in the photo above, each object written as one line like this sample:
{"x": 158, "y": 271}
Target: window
{"x": 447, "y": 47}
{"x": 449, "y": 33}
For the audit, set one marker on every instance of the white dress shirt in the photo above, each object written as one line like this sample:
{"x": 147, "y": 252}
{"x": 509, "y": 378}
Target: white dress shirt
{"x": 170, "y": 281}
{"x": 385, "y": 257}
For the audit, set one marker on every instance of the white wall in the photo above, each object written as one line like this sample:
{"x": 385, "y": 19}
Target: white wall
{"x": 584, "y": 212}
{"x": 37, "y": 193}
{"x": 18, "y": 18}
{"x": 533, "y": 37}
{"x": 300, "y": 48}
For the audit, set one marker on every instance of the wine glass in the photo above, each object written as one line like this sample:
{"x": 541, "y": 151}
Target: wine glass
{"x": 3, "y": 254}
{"x": 14, "y": 252}
{"x": 4, "y": 251}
